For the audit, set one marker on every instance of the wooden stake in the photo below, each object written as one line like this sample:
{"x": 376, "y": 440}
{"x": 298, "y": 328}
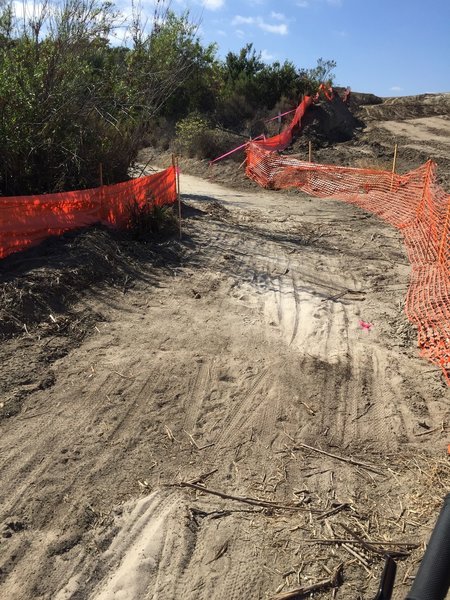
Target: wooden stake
{"x": 309, "y": 151}
{"x": 444, "y": 235}
{"x": 425, "y": 199}
{"x": 394, "y": 165}
{"x": 178, "y": 193}
{"x": 426, "y": 184}
{"x": 100, "y": 172}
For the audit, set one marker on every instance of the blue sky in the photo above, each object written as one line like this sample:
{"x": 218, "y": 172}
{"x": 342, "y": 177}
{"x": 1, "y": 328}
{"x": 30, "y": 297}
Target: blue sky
{"x": 388, "y": 47}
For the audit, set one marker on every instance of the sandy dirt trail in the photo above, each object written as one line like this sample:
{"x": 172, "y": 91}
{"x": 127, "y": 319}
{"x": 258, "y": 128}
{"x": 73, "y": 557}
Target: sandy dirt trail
{"x": 216, "y": 371}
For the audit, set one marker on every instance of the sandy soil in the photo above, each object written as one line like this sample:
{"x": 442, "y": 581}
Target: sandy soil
{"x": 217, "y": 370}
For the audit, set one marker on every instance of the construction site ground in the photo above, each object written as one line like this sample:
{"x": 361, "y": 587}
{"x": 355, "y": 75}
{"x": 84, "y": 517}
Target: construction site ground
{"x": 236, "y": 414}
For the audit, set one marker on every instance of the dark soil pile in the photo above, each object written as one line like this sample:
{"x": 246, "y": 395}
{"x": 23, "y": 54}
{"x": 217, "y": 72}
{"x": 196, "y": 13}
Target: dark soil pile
{"x": 328, "y": 123}
{"x": 41, "y": 283}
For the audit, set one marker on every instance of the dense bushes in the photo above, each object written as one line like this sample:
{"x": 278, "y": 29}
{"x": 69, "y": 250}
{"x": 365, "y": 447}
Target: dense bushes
{"x": 70, "y": 100}
{"x": 196, "y": 136}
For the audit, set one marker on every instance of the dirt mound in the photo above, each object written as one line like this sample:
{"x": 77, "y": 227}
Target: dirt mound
{"x": 329, "y": 123}
{"x": 408, "y": 107}
{"x": 41, "y": 283}
{"x": 41, "y": 290}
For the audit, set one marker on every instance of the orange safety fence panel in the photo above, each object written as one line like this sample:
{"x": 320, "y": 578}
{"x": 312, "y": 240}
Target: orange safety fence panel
{"x": 413, "y": 203}
{"x": 283, "y": 139}
{"x": 27, "y": 220}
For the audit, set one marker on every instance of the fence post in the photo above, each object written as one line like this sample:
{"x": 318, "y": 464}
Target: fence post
{"x": 425, "y": 197}
{"x": 309, "y": 151}
{"x": 394, "y": 165}
{"x": 426, "y": 185}
{"x": 176, "y": 165}
{"x": 444, "y": 234}
{"x": 103, "y": 216}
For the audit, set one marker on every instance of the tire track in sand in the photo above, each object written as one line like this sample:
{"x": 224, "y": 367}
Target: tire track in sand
{"x": 241, "y": 414}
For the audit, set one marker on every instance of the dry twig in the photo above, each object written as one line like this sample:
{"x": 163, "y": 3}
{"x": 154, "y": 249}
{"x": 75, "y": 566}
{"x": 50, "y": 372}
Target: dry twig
{"x": 331, "y": 582}
{"x": 351, "y": 461}
{"x": 246, "y": 499}
{"x": 372, "y": 545}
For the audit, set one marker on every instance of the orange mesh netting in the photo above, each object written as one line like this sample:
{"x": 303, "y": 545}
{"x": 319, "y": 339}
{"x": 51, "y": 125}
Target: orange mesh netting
{"x": 413, "y": 203}
{"x": 283, "y": 139}
{"x": 27, "y": 220}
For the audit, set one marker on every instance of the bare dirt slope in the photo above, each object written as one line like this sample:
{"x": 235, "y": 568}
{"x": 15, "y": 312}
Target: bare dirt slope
{"x": 420, "y": 125}
{"x": 217, "y": 371}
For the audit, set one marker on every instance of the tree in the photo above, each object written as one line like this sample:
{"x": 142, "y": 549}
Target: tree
{"x": 70, "y": 101}
{"x": 323, "y": 72}
{"x": 176, "y": 48}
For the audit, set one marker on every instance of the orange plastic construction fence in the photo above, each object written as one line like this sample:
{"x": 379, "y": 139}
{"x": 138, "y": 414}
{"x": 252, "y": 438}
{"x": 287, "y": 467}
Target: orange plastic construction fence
{"x": 413, "y": 203}
{"x": 27, "y": 220}
{"x": 283, "y": 139}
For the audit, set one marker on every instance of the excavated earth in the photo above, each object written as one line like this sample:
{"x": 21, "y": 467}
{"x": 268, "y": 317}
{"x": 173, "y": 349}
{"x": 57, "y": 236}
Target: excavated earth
{"x": 363, "y": 136}
{"x": 204, "y": 418}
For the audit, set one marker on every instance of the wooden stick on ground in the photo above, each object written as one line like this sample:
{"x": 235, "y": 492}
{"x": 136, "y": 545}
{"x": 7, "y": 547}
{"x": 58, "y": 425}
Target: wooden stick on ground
{"x": 372, "y": 548}
{"x": 245, "y": 499}
{"x": 331, "y": 582}
{"x": 361, "y": 542}
{"x": 203, "y": 476}
{"x": 334, "y": 511}
{"x": 351, "y": 461}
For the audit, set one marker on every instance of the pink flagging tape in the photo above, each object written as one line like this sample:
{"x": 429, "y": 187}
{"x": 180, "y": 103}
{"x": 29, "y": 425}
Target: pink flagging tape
{"x": 282, "y": 115}
{"x": 235, "y": 150}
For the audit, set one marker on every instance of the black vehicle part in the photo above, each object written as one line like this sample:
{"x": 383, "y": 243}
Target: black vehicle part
{"x": 433, "y": 577}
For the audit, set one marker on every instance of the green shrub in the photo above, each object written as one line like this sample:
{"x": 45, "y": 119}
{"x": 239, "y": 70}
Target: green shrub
{"x": 69, "y": 100}
{"x": 147, "y": 220}
{"x": 195, "y": 137}
{"x": 188, "y": 131}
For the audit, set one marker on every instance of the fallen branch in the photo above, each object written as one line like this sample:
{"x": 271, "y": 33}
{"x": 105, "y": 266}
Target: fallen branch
{"x": 371, "y": 547}
{"x": 372, "y": 544}
{"x": 245, "y": 499}
{"x": 334, "y": 511}
{"x": 332, "y": 582}
{"x": 351, "y": 461}
{"x": 427, "y": 432}
{"x": 203, "y": 476}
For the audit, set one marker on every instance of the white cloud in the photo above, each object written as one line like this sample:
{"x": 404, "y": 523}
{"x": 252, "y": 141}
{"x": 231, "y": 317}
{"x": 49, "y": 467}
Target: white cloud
{"x": 396, "y": 88}
{"x": 278, "y": 16}
{"x": 266, "y": 56}
{"x": 303, "y": 3}
{"x": 238, "y": 20}
{"x": 334, "y": 2}
{"x": 280, "y": 29}
{"x": 213, "y": 4}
